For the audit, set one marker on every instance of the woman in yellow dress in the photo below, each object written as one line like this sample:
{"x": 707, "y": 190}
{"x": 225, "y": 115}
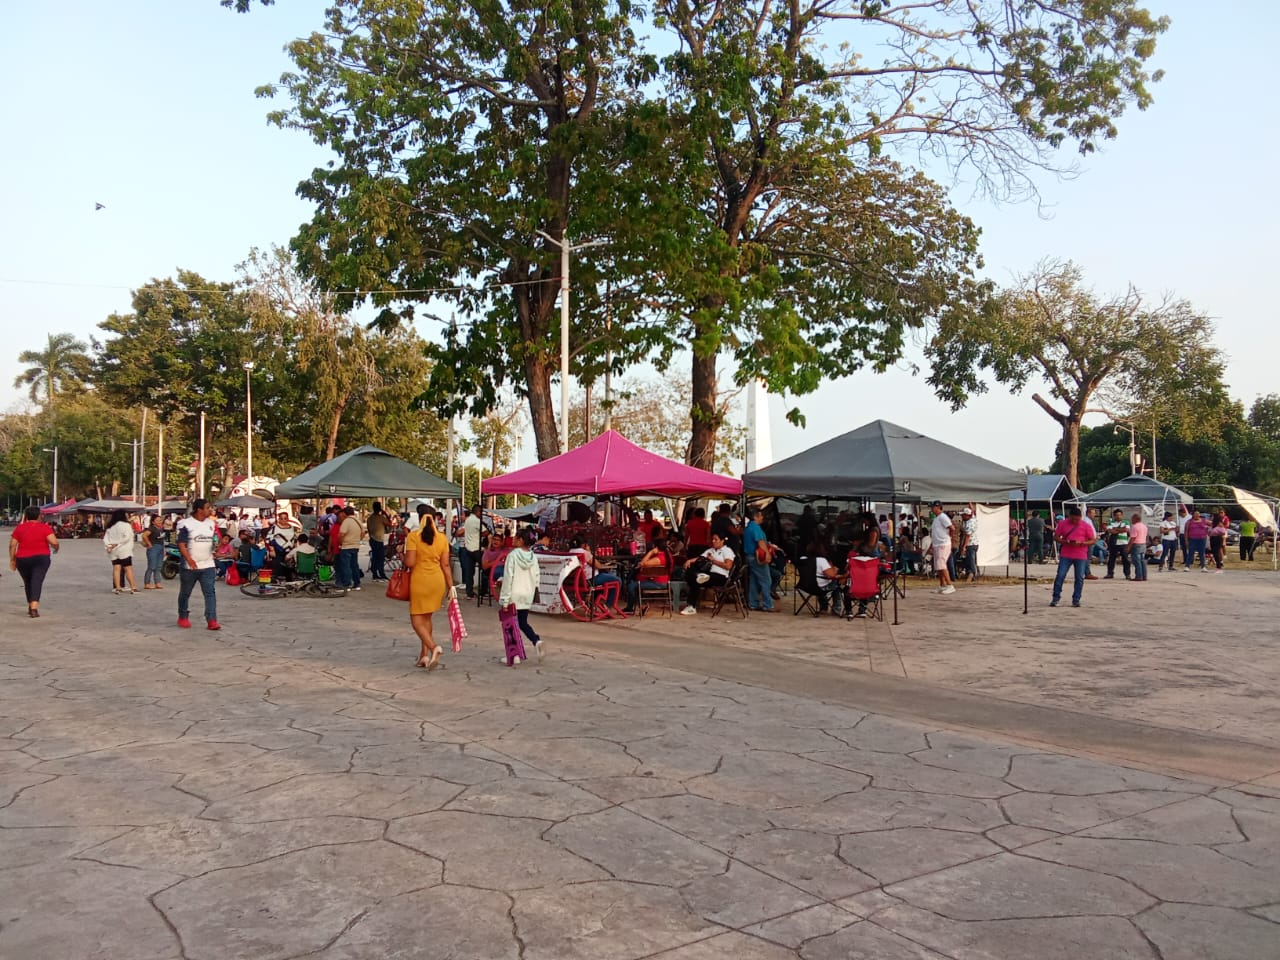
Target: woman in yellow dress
{"x": 426, "y": 556}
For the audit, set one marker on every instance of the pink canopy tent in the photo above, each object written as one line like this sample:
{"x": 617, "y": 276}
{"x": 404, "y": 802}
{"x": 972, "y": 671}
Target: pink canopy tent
{"x": 58, "y": 507}
{"x": 612, "y": 464}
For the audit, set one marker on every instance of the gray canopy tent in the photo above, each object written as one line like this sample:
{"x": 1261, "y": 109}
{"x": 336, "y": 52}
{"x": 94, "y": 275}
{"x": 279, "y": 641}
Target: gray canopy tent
{"x": 884, "y": 462}
{"x": 366, "y": 472}
{"x": 1045, "y": 490}
{"x": 1136, "y": 490}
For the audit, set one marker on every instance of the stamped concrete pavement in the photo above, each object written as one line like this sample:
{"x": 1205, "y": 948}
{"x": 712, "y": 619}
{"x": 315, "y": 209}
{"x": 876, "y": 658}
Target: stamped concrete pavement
{"x": 293, "y": 787}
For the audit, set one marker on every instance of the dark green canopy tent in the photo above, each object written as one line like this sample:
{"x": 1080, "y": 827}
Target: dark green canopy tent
{"x": 366, "y": 472}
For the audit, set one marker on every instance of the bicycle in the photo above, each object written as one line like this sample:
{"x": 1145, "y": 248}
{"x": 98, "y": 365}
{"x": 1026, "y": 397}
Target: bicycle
{"x": 310, "y": 585}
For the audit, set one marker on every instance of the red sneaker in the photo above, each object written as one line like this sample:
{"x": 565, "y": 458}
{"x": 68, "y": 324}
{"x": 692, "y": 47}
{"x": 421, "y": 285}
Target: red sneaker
{"x": 184, "y": 623}
{"x": 214, "y": 625}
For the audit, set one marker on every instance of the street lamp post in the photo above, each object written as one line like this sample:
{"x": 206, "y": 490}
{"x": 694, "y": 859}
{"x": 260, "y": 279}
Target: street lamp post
{"x": 566, "y": 248}
{"x": 248, "y": 423}
{"x": 54, "y": 451}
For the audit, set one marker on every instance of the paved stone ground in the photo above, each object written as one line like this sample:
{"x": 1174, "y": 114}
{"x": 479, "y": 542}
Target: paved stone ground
{"x": 292, "y": 787}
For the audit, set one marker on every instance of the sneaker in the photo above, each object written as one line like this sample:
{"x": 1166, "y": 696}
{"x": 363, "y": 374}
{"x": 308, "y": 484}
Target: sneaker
{"x": 184, "y": 623}
{"x": 1075, "y": 603}
{"x": 214, "y": 625}
{"x": 860, "y": 615}
{"x": 515, "y": 661}
{"x": 703, "y": 578}
{"x": 541, "y": 647}
{"x": 688, "y": 612}
{"x": 948, "y": 589}
{"x": 1090, "y": 577}
{"x": 1053, "y": 603}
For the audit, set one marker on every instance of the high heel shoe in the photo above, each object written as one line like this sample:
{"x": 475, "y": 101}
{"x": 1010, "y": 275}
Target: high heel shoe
{"x": 434, "y": 662}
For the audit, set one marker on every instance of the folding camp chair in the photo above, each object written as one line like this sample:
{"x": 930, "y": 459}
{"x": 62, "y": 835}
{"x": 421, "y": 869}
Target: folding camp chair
{"x": 864, "y": 586}
{"x": 732, "y": 591}
{"x": 807, "y": 593}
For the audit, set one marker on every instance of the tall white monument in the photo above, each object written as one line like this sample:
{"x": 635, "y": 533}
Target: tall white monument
{"x": 759, "y": 439}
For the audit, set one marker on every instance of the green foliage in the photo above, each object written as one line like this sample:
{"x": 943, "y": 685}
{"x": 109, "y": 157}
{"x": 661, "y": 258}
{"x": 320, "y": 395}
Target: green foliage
{"x": 62, "y": 366}
{"x": 1152, "y": 363}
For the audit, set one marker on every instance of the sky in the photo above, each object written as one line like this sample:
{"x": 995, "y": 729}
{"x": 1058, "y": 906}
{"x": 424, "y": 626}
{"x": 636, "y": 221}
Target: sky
{"x": 148, "y": 107}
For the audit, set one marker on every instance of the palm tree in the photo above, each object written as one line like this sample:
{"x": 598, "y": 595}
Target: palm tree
{"x": 62, "y": 364}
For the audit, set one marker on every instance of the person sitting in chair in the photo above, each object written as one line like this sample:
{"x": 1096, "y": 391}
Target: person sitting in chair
{"x": 301, "y": 548}
{"x": 609, "y": 583}
{"x": 654, "y": 570}
{"x": 828, "y": 579}
{"x": 713, "y": 573}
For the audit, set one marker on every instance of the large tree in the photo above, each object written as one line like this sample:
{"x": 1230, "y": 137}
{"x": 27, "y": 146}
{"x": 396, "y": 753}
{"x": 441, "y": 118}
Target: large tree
{"x": 63, "y": 365}
{"x": 808, "y": 252}
{"x": 457, "y": 131}
{"x": 1125, "y": 356}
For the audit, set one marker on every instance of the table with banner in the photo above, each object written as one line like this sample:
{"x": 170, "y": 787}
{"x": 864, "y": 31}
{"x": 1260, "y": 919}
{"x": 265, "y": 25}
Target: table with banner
{"x": 553, "y": 569}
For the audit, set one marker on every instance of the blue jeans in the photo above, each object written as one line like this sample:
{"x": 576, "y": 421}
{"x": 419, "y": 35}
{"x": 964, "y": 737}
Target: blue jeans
{"x": 1139, "y": 557}
{"x": 187, "y": 580}
{"x": 348, "y": 567}
{"x": 1081, "y": 568}
{"x": 155, "y": 560}
{"x": 1196, "y": 545}
{"x": 1170, "y": 548}
{"x": 971, "y": 560}
{"x": 759, "y": 585}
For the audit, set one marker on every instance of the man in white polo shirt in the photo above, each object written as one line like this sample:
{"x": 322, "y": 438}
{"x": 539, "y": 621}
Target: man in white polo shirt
{"x": 940, "y": 543}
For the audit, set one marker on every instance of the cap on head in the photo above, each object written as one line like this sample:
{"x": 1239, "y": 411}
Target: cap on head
{"x": 936, "y": 503}
{"x": 966, "y": 512}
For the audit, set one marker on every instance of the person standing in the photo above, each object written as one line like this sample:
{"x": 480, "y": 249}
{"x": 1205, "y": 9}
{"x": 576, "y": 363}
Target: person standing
{"x": 153, "y": 540}
{"x": 426, "y": 557}
{"x": 350, "y": 533}
{"x": 31, "y": 546}
{"x": 759, "y": 571}
{"x": 377, "y": 527}
{"x": 969, "y": 542}
{"x": 1035, "y": 538}
{"x": 1197, "y": 530}
{"x": 520, "y": 577}
{"x": 1184, "y": 517}
{"x": 118, "y": 541}
{"x": 1168, "y": 542}
{"x": 1248, "y": 538}
{"x": 197, "y": 538}
{"x": 1074, "y": 536}
{"x": 697, "y": 531}
{"x": 1218, "y": 540}
{"x": 1138, "y": 546}
{"x": 471, "y": 552}
{"x": 1117, "y": 544}
{"x": 940, "y": 542}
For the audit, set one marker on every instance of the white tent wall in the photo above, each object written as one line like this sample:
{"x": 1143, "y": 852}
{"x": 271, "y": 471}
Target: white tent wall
{"x": 993, "y": 535}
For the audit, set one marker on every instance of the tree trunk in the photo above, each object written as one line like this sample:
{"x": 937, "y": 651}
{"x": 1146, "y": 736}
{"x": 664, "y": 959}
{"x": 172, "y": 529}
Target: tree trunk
{"x": 704, "y": 412}
{"x": 541, "y": 411}
{"x": 332, "y": 444}
{"x": 1071, "y": 449}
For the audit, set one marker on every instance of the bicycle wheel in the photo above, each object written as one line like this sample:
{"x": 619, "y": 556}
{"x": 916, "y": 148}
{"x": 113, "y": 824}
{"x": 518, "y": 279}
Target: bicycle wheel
{"x": 264, "y": 591}
{"x": 323, "y": 591}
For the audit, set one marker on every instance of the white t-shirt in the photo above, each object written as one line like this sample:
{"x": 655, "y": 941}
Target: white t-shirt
{"x": 1182, "y": 523}
{"x": 201, "y": 537}
{"x": 1168, "y": 529}
{"x": 820, "y": 564}
{"x": 723, "y": 554}
{"x": 940, "y": 531}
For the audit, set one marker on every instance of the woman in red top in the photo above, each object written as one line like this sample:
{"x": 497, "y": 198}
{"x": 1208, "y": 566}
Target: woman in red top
{"x": 29, "y": 554}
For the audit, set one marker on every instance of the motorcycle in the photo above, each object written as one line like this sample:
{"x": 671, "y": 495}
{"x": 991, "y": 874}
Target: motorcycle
{"x": 172, "y": 561}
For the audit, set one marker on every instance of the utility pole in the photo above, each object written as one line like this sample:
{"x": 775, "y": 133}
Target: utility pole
{"x": 566, "y": 248}
{"x": 200, "y": 476}
{"x": 54, "y": 451}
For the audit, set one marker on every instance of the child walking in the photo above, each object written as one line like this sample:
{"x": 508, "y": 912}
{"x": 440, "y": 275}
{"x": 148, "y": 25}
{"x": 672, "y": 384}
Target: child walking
{"x": 520, "y": 584}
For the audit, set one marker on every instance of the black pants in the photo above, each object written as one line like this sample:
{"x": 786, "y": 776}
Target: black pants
{"x": 1247, "y": 545}
{"x": 1117, "y": 552}
{"x": 377, "y": 559}
{"x": 32, "y": 571}
{"x": 691, "y": 578}
{"x": 522, "y": 618}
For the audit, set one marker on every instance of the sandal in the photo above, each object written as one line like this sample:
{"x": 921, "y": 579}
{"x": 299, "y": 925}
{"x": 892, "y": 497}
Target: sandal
{"x": 435, "y": 659}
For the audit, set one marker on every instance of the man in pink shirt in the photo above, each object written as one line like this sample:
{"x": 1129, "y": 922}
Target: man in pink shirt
{"x": 1138, "y": 546}
{"x": 1074, "y": 536}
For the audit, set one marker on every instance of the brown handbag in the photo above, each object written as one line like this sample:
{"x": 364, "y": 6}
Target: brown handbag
{"x": 398, "y": 585}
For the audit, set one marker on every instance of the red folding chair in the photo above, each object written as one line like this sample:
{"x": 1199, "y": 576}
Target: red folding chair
{"x": 864, "y": 586}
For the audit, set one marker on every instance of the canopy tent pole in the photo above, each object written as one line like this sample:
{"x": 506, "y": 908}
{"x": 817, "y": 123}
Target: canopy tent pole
{"x": 893, "y": 548}
{"x": 1026, "y": 569}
